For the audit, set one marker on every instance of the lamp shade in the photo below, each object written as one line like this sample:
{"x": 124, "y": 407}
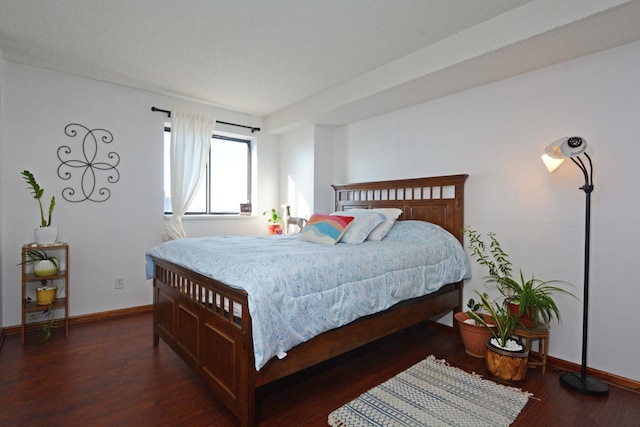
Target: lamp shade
{"x": 550, "y": 162}
{"x": 569, "y": 146}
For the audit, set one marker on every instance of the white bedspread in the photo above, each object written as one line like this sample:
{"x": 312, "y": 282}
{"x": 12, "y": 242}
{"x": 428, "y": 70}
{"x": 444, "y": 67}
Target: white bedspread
{"x": 298, "y": 290}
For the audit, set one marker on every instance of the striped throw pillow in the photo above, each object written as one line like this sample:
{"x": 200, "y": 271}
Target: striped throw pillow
{"x": 325, "y": 229}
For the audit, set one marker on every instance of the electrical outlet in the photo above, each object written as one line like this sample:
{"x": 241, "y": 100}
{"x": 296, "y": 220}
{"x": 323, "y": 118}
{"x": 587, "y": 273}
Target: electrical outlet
{"x": 119, "y": 282}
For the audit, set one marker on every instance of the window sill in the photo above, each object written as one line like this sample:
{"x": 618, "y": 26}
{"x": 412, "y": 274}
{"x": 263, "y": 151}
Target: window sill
{"x": 215, "y": 217}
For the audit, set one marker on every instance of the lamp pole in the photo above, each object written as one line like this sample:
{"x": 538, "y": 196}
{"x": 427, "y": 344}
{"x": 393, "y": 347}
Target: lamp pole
{"x": 584, "y": 383}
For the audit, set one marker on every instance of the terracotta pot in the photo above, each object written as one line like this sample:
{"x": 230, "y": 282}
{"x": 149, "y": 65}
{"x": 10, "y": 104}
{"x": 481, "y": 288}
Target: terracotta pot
{"x": 526, "y": 319}
{"x": 274, "y": 229}
{"x": 505, "y": 365}
{"x": 474, "y": 337}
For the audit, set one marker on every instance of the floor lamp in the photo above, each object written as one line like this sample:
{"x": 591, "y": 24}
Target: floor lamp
{"x": 574, "y": 147}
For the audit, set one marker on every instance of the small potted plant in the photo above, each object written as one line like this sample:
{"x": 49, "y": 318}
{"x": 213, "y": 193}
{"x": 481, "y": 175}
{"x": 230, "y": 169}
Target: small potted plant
{"x": 46, "y": 318}
{"x": 474, "y": 335}
{"x": 506, "y": 357}
{"x": 275, "y": 221}
{"x": 43, "y": 265}
{"x": 45, "y": 233}
{"x": 531, "y": 299}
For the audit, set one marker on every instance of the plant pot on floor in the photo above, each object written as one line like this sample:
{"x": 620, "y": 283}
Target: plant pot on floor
{"x": 474, "y": 337}
{"x": 509, "y": 366}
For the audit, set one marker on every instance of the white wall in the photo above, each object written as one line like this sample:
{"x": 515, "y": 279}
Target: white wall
{"x": 496, "y": 134}
{"x": 2, "y": 155}
{"x": 308, "y": 168}
{"x": 323, "y": 176}
{"x": 297, "y": 171}
{"x": 106, "y": 239}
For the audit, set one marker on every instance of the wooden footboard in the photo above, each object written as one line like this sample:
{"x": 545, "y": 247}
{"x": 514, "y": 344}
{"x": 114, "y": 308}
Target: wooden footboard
{"x": 194, "y": 315}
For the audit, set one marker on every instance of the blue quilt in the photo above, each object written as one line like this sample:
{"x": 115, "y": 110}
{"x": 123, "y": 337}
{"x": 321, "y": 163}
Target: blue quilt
{"x": 298, "y": 290}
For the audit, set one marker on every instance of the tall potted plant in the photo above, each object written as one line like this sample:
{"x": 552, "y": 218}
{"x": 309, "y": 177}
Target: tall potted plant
{"x": 45, "y": 233}
{"x": 532, "y": 300}
{"x": 507, "y": 356}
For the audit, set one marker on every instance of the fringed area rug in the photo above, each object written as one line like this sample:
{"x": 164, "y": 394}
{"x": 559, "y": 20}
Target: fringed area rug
{"x": 432, "y": 393}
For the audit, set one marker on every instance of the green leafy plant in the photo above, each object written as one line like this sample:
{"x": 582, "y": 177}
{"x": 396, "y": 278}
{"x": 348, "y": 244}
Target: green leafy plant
{"x": 532, "y": 296}
{"x": 474, "y": 306}
{"x": 35, "y": 255}
{"x": 46, "y": 318}
{"x": 274, "y": 216}
{"x": 503, "y": 321}
{"x": 37, "y": 192}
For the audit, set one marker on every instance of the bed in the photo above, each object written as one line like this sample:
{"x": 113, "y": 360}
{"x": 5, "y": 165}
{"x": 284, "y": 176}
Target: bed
{"x": 209, "y": 325}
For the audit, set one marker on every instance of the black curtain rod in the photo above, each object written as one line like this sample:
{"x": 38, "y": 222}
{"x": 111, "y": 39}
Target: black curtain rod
{"x": 253, "y": 129}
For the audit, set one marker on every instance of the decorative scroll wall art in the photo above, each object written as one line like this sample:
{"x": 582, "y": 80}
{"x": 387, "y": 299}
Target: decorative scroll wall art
{"x": 91, "y": 169}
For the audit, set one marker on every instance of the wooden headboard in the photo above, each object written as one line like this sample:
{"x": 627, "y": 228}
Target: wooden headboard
{"x": 438, "y": 199}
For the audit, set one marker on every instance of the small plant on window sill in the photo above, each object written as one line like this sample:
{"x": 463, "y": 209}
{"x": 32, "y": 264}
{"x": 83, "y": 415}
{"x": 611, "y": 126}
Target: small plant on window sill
{"x": 274, "y": 218}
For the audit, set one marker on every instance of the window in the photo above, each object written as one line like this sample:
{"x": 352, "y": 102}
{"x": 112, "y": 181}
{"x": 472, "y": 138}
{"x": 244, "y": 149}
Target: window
{"x": 227, "y": 181}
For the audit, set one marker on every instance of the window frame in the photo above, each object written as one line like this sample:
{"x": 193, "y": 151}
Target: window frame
{"x": 225, "y": 137}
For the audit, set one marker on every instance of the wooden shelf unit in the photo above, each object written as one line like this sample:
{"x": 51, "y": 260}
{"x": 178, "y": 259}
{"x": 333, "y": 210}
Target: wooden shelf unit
{"x": 30, "y": 281}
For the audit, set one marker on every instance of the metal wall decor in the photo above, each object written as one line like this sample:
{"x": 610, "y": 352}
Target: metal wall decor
{"x": 92, "y": 168}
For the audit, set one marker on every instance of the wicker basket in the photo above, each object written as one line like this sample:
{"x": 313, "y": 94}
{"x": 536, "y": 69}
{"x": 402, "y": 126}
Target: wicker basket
{"x": 508, "y": 366}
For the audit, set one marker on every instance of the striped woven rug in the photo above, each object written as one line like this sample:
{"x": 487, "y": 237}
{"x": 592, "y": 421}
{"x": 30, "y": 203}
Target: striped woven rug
{"x": 432, "y": 393}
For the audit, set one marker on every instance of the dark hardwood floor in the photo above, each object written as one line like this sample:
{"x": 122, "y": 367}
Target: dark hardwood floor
{"x": 109, "y": 374}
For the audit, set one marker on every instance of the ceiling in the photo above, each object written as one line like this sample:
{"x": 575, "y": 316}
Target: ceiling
{"x": 309, "y": 61}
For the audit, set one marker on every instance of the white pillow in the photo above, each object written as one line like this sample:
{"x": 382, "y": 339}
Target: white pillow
{"x": 365, "y": 220}
{"x": 390, "y": 214}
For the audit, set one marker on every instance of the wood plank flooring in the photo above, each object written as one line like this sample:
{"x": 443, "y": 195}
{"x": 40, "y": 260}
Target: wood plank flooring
{"x": 108, "y": 373}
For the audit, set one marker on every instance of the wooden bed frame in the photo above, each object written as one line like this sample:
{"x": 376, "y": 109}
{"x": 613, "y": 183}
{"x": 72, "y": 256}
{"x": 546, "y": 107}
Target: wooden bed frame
{"x": 218, "y": 346}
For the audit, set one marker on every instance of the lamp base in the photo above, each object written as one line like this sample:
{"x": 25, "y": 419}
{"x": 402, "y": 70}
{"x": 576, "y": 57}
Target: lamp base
{"x": 586, "y": 385}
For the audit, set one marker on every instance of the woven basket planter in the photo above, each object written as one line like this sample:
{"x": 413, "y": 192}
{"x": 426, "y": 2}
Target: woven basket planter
{"x": 505, "y": 365}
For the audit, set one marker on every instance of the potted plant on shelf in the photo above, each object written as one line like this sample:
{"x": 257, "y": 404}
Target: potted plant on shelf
{"x": 48, "y": 321}
{"x": 507, "y": 356}
{"x": 275, "y": 220}
{"x": 474, "y": 335}
{"x": 532, "y": 300}
{"x": 45, "y": 233}
{"x": 43, "y": 265}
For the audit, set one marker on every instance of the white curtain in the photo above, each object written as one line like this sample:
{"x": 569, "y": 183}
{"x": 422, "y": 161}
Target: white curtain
{"x": 190, "y": 142}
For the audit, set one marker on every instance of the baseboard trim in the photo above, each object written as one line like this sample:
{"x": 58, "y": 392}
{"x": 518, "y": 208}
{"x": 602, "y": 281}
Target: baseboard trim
{"x": 560, "y": 364}
{"x": 564, "y": 365}
{"x": 93, "y": 317}
{"x": 110, "y": 314}
{"x": 607, "y": 377}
